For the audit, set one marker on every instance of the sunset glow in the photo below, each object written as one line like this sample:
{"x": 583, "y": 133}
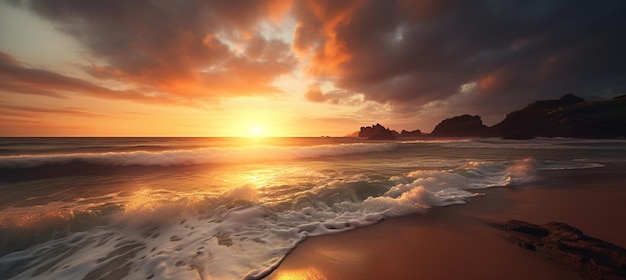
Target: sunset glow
{"x": 312, "y": 139}
{"x": 294, "y": 68}
{"x": 256, "y": 130}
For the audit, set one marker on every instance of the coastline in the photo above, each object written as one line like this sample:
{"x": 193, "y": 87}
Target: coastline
{"x": 457, "y": 242}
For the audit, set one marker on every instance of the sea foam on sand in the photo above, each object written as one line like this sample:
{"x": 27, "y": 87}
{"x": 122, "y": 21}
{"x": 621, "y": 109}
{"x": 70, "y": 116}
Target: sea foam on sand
{"x": 458, "y": 243}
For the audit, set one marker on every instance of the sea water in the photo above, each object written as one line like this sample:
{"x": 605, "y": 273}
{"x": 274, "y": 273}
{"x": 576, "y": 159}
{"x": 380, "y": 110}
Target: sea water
{"x": 233, "y": 208}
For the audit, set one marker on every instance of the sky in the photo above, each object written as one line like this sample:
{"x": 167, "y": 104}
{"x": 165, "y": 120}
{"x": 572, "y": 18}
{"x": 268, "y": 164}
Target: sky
{"x": 295, "y": 68}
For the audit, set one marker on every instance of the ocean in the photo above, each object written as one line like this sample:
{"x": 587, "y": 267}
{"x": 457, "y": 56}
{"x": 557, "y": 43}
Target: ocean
{"x": 233, "y": 208}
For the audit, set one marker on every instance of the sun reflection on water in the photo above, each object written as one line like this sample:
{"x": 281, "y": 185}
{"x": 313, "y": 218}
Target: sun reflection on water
{"x": 307, "y": 273}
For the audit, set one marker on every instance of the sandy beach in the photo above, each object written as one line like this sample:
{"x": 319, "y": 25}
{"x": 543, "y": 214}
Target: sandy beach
{"x": 457, "y": 242}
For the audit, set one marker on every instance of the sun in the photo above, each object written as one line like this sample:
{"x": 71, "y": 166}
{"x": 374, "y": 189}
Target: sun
{"x": 257, "y": 130}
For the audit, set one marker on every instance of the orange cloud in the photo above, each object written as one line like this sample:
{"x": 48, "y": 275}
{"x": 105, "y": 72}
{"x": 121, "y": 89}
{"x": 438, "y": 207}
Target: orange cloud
{"x": 194, "y": 52}
{"x": 316, "y": 34}
{"x": 277, "y": 9}
{"x": 486, "y": 83}
{"x": 314, "y": 94}
{"x": 497, "y": 81}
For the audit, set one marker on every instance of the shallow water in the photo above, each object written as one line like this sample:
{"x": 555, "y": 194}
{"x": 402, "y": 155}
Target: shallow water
{"x": 232, "y": 208}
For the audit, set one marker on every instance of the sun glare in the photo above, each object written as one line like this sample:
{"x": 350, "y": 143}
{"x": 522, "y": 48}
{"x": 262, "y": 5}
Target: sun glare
{"x": 256, "y": 130}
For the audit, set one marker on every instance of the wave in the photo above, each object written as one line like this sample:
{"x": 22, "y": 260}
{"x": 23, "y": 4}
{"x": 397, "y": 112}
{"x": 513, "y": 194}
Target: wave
{"x": 176, "y": 236}
{"x": 243, "y": 232}
{"x": 193, "y": 157}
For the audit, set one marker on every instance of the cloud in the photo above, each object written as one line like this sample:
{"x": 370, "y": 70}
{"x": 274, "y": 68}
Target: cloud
{"x": 412, "y": 53}
{"x": 411, "y": 58}
{"x": 194, "y": 50}
{"x": 16, "y": 77}
{"x": 31, "y": 111}
{"x": 315, "y": 94}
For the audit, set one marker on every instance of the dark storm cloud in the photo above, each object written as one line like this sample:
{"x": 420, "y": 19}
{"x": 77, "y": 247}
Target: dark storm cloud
{"x": 185, "y": 48}
{"x": 420, "y": 51}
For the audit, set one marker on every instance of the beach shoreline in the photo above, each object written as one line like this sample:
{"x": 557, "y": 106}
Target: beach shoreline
{"x": 457, "y": 241}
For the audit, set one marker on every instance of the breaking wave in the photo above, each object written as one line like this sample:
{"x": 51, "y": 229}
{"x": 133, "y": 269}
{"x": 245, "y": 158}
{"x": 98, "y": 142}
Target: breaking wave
{"x": 240, "y": 233}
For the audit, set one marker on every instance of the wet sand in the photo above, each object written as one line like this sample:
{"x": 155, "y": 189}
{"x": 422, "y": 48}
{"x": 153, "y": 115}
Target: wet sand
{"x": 457, "y": 243}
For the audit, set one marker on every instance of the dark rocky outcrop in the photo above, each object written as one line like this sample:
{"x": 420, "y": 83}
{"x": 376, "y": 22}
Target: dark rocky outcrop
{"x": 377, "y": 132}
{"x": 461, "y": 126}
{"x": 570, "y": 116}
{"x": 410, "y": 134}
{"x": 567, "y": 246}
{"x": 383, "y": 135}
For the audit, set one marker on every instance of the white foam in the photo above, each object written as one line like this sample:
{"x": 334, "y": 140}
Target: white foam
{"x": 169, "y": 235}
{"x": 522, "y": 172}
{"x": 241, "y": 233}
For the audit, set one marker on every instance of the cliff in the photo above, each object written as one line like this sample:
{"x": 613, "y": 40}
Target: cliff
{"x": 570, "y": 116}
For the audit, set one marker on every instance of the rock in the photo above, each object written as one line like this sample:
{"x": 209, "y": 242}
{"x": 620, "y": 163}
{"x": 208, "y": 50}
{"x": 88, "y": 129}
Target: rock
{"x": 567, "y": 246}
{"x": 407, "y": 134}
{"x": 620, "y": 97}
{"x": 461, "y": 126}
{"x": 383, "y": 135}
{"x": 367, "y": 131}
{"x": 570, "y": 116}
{"x": 377, "y": 132}
{"x": 526, "y": 228}
{"x": 568, "y": 99}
